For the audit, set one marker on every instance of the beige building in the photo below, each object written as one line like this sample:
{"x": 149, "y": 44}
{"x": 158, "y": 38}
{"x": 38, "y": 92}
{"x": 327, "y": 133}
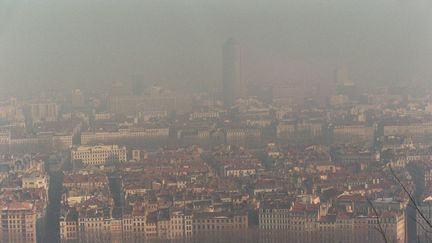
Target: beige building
{"x": 204, "y": 115}
{"x": 35, "y": 180}
{"x": 309, "y": 223}
{"x": 4, "y": 137}
{"x": 136, "y": 155}
{"x": 136, "y": 224}
{"x": 98, "y": 155}
{"x": 69, "y": 227}
{"x": 295, "y": 131}
{"x": 62, "y": 140}
{"x": 218, "y": 222}
{"x": 173, "y": 224}
{"x": 239, "y": 170}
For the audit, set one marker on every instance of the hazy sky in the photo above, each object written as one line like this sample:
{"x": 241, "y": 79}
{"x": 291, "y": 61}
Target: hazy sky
{"x": 89, "y": 42}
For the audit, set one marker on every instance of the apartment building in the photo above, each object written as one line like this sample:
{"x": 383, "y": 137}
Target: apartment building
{"x": 309, "y": 223}
{"x": 218, "y": 222}
{"x": 18, "y": 222}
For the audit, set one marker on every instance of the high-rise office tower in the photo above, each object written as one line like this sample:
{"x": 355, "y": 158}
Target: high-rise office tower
{"x": 233, "y": 85}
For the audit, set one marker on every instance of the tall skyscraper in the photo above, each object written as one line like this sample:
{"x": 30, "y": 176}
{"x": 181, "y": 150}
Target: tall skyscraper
{"x": 233, "y": 85}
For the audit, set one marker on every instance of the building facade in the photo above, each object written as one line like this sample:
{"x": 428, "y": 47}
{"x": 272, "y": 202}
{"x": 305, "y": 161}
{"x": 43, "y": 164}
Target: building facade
{"x": 98, "y": 155}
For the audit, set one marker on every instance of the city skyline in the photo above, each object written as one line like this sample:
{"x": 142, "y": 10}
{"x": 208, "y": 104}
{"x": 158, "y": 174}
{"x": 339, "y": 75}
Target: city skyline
{"x": 215, "y": 121}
